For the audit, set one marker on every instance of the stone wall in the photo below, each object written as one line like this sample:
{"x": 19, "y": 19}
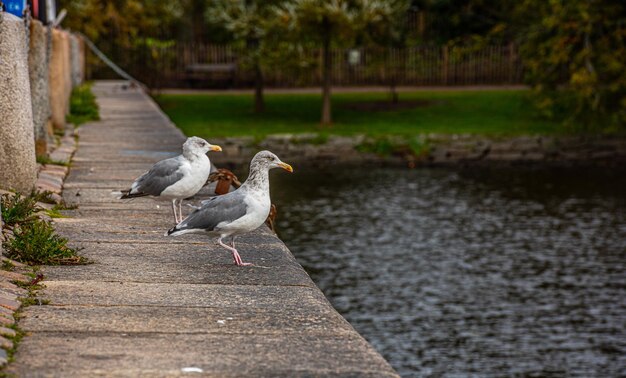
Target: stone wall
{"x": 38, "y": 67}
{"x": 428, "y": 150}
{"x": 76, "y": 59}
{"x": 60, "y": 79}
{"x": 38, "y": 59}
{"x": 67, "y": 71}
{"x": 18, "y": 169}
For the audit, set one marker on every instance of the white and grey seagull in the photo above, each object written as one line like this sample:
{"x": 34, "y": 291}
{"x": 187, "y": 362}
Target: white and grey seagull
{"x": 237, "y": 212}
{"x": 176, "y": 178}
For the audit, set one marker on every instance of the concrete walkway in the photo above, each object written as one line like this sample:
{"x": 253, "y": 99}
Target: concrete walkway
{"x": 157, "y": 306}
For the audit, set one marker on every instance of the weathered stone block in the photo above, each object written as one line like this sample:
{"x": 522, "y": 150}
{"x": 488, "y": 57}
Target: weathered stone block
{"x": 13, "y": 276}
{"x": 4, "y": 357}
{"x": 9, "y": 303}
{"x": 81, "y": 59}
{"x": 18, "y": 169}
{"x": 60, "y": 81}
{"x": 75, "y": 60}
{"x": 7, "y": 295}
{"x": 6, "y": 312}
{"x": 68, "y": 70}
{"x": 40, "y": 97}
{"x": 5, "y": 343}
{"x": 4, "y": 331}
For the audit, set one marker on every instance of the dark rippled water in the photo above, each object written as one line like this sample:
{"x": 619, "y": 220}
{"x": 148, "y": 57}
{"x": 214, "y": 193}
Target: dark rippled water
{"x": 501, "y": 272}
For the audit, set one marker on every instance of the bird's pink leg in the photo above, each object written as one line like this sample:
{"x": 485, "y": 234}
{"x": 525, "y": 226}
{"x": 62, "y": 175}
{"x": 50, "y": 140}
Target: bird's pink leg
{"x": 174, "y": 209}
{"x": 238, "y": 259}
{"x": 180, "y": 210}
{"x": 236, "y": 256}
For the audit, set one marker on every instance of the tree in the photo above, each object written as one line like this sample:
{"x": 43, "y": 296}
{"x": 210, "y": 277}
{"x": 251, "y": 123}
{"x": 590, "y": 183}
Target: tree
{"x": 322, "y": 22}
{"x": 462, "y": 20}
{"x": 119, "y": 23}
{"x": 383, "y": 23}
{"x": 334, "y": 23}
{"x": 574, "y": 52}
{"x": 246, "y": 21}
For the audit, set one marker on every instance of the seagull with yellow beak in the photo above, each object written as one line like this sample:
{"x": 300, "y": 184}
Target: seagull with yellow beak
{"x": 237, "y": 212}
{"x": 176, "y": 178}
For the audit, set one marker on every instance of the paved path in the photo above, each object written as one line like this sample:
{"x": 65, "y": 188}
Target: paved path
{"x": 153, "y": 306}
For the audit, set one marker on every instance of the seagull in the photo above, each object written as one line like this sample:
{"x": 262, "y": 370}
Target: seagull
{"x": 176, "y": 178}
{"x": 237, "y": 212}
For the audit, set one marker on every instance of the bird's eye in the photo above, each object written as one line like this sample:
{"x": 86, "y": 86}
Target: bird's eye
{"x": 272, "y": 158}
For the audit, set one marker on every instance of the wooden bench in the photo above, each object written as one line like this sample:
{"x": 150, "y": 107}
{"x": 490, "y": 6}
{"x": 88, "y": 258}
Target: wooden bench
{"x": 213, "y": 74}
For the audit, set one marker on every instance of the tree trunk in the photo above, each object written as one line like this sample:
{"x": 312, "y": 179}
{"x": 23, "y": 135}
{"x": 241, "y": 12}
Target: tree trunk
{"x": 394, "y": 91}
{"x": 253, "y": 45}
{"x": 259, "y": 102}
{"x": 326, "y": 81}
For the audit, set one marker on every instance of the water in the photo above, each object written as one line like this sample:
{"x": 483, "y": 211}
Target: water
{"x": 483, "y": 272}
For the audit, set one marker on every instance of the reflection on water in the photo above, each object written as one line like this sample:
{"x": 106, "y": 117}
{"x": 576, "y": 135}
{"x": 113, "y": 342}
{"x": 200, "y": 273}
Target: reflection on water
{"x": 475, "y": 272}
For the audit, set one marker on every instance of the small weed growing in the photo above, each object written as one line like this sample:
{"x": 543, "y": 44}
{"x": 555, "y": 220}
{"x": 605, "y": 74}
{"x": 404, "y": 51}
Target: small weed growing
{"x": 18, "y": 209}
{"x": 37, "y": 243}
{"x": 45, "y": 196}
{"x": 379, "y": 146}
{"x": 31, "y": 300}
{"x": 7, "y": 265}
{"x": 418, "y": 147}
{"x": 387, "y": 146}
{"x": 55, "y": 213}
{"x": 83, "y": 106}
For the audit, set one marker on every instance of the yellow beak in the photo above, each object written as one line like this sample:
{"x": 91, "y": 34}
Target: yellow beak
{"x": 215, "y": 148}
{"x": 286, "y": 167}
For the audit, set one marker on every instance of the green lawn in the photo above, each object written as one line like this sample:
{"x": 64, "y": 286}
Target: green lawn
{"x": 477, "y": 112}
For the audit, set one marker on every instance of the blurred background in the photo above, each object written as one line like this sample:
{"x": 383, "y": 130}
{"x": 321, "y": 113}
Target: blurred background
{"x": 570, "y": 52}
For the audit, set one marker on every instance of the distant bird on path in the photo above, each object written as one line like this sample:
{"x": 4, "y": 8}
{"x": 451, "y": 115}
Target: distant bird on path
{"x": 176, "y": 178}
{"x": 237, "y": 212}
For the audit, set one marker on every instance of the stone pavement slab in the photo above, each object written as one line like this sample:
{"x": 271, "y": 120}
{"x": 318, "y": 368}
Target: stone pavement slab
{"x": 186, "y": 320}
{"x": 155, "y": 306}
{"x": 217, "y": 355}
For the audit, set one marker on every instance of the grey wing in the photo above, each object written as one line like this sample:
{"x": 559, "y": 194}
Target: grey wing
{"x": 163, "y": 174}
{"x": 214, "y": 211}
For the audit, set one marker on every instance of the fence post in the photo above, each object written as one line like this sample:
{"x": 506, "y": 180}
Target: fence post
{"x": 511, "y": 63}
{"x": 444, "y": 67}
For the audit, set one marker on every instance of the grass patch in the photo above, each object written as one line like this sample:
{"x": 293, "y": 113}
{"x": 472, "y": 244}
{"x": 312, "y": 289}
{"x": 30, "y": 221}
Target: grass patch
{"x": 46, "y": 197}
{"x": 395, "y": 145}
{"x": 30, "y": 300}
{"x": 55, "y": 212}
{"x": 36, "y": 242}
{"x": 419, "y": 147}
{"x": 7, "y": 265}
{"x": 43, "y": 196}
{"x": 498, "y": 112}
{"x": 18, "y": 209}
{"x": 380, "y": 146}
{"x": 83, "y": 106}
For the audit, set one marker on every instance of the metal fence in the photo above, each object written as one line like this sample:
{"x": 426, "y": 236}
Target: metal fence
{"x": 220, "y": 66}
